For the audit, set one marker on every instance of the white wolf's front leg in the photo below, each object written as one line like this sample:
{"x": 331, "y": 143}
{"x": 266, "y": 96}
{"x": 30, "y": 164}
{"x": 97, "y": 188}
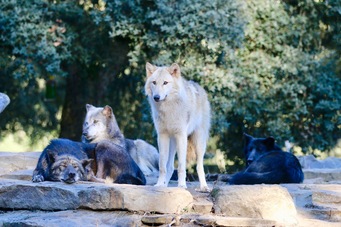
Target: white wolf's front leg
{"x": 181, "y": 147}
{"x": 163, "y": 143}
{"x": 171, "y": 157}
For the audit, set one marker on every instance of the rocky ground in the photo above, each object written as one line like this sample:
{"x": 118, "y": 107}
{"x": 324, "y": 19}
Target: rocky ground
{"x": 316, "y": 202}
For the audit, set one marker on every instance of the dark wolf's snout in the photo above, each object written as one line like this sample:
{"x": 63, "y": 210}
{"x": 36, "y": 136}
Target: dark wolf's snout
{"x": 70, "y": 175}
{"x": 157, "y": 98}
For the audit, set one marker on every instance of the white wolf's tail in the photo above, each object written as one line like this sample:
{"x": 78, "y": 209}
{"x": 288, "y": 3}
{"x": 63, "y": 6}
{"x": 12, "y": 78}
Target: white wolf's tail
{"x": 191, "y": 154}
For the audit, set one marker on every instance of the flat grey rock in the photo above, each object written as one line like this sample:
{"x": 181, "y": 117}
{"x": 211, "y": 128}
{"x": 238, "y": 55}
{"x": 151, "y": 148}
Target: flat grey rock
{"x": 52, "y": 196}
{"x": 316, "y": 201}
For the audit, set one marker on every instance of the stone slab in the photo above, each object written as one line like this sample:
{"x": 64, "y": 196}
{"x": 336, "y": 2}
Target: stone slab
{"x": 270, "y": 202}
{"x": 15, "y": 194}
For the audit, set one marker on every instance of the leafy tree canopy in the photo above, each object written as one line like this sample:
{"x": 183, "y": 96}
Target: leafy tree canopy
{"x": 269, "y": 67}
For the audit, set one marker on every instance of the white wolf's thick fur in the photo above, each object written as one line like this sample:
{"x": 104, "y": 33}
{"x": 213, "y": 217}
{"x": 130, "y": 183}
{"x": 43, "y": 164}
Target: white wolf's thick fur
{"x": 100, "y": 124}
{"x": 181, "y": 115}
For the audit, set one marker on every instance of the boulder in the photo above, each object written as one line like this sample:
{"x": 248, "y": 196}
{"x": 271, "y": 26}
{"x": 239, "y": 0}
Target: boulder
{"x": 270, "y": 202}
{"x": 4, "y": 101}
{"x": 323, "y": 175}
{"x": 16, "y": 161}
{"x": 318, "y": 201}
{"x": 310, "y": 162}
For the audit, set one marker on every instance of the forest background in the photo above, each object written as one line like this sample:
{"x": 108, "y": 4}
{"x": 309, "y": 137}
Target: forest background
{"x": 270, "y": 68}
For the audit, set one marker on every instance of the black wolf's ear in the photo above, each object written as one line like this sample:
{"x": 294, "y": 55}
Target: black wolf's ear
{"x": 51, "y": 155}
{"x": 269, "y": 142}
{"x": 86, "y": 162}
{"x": 107, "y": 111}
{"x": 174, "y": 70}
{"x": 88, "y": 107}
{"x": 150, "y": 69}
{"x": 247, "y": 138}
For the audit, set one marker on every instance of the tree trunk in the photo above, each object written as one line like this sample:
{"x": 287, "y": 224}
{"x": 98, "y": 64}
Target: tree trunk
{"x": 90, "y": 85}
{"x": 74, "y": 104}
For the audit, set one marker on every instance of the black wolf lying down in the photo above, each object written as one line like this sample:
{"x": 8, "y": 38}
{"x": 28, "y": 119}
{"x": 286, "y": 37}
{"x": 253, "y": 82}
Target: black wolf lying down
{"x": 69, "y": 161}
{"x": 267, "y": 164}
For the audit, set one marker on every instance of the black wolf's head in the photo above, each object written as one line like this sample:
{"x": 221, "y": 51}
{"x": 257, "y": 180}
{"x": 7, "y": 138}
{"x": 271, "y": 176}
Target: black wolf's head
{"x": 256, "y": 147}
{"x": 68, "y": 168}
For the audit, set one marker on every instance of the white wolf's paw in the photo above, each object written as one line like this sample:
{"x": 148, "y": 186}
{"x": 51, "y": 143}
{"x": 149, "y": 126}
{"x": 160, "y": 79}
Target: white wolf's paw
{"x": 38, "y": 178}
{"x": 160, "y": 185}
{"x": 203, "y": 189}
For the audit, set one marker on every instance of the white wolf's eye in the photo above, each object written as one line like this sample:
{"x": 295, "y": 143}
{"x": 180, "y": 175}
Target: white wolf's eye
{"x": 154, "y": 82}
{"x": 164, "y": 83}
{"x": 95, "y": 121}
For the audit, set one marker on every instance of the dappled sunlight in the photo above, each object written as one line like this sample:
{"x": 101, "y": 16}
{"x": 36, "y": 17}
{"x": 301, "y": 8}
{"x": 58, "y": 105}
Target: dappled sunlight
{"x": 336, "y": 150}
{"x": 20, "y": 142}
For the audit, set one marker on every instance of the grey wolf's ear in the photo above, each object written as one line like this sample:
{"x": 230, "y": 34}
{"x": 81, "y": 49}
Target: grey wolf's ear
{"x": 107, "y": 111}
{"x": 150, "y": 69}
{"x": 174, "y": 70}
{"x": 269, "y": 142}
{"x": 247, "y": 138}
{"x": 51, "y": 155}
{"x": 86, "y": 162}
{"x": 88, "y": 107}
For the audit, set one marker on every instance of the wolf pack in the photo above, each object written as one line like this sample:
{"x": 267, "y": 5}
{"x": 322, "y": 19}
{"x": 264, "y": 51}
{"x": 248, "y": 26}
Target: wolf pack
{"x": 181, "y": 115}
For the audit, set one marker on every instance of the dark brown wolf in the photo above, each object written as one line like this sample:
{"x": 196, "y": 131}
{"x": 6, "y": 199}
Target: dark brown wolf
{"x": 114, "y": 162}
{"x": 69, "y": 161}
{"x": 65, "y": 160}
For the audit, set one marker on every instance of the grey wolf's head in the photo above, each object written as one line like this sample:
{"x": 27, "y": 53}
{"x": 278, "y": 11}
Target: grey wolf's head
{"x": 97, "y": 123}
{"x": 161, "y": 81}
{"x": 68, "y": 168}
{"x": 256, "y": 147}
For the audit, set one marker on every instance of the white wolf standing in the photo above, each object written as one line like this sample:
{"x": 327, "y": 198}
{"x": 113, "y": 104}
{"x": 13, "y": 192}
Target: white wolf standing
{"x": 181, "y": 115}
{"x": 100, "y": 124}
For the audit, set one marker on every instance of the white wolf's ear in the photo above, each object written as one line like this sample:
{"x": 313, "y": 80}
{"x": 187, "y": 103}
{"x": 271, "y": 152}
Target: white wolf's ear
{"x": 150, "y": 69}
{"x": 107, "y": 111}
{"x": 88, "y": 107}
{"x": 174, "y": 70}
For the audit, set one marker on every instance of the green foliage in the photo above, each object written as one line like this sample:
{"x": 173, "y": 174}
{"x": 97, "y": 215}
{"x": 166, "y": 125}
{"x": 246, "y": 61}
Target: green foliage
{"x": 293, "y": 87}
{"x": 269, "y": 67}
{"x": 30, "y": 49}
{"x": 32, "y": 38}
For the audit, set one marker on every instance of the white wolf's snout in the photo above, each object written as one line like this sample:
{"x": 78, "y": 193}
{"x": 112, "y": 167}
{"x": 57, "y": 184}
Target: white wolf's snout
{"x": 157, "y": 98}
{"x": 159, "y": 93}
